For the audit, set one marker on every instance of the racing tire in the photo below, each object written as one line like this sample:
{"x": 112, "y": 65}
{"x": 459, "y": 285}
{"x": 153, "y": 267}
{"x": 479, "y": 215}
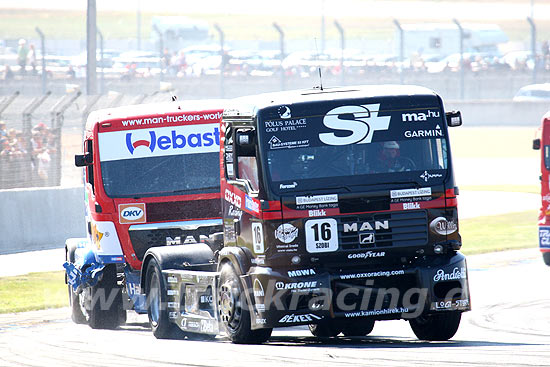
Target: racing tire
{"x": 77, "y": 315}
{"x": 359, "y": 327}
{"x": 156, "y": 305}
{"x": 546, "y": 258}
{"x": 235, "y": 315}
{"x": 437, "y": 327}
{"x": 102, "y": 309}
{"x": 326, "y": 329}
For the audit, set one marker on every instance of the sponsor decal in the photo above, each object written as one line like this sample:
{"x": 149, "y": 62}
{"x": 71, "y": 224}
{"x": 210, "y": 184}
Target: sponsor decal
{"x": 407, "y": 193}
{"x": 292, "y": 247}
{"x": 388, "y": 311}
{"x": 172, "y": 280}
{"x": 442, "y": 226}
{"x": 260, "y": 307}
{"x": 286, "y": 233}
{"x": 173, "y": 141}
{"x": 544, "y": 237}
{"x": 285, "y": 125}
{"x": 233, "y": 198}
{"x": 301, "y": 273}
{"x": 419, "y": 116}
{"x": 284, "y": 112}
{"x": 458, "y": 304}
{"x": 258, "y": 289}
{"x": 434, "y": 133}
{"x": 172, "y": 292}
{"x": 288, "y": 186}
{"x": 172, "y": 315}
{"x": 207, "y": 326}
{"x": 258, "y": 238}
{"x": 261, "y": 321}
{"x": 206, "y": 299}
{"x": 366, "y": 238}
{"x": 409, "y": 206}
{"x": 456, "y": 274}
{"x": 317, "y": 199}
{"x": 376, "y": 274}
{"x": 366, "y": 255}
{"x": 131, "y": 213}
{"x": 276, "y": 143}
{"x": 251, "y": 204}
{"x": 173, "y": 241}
{"x": 317, "y": 213}
{"x": 296, "y": 285}
{"x": 173, "y": 305}
{"x": 366, "y": 226}
{"x": 96, "y": 236}
{"x": 546, "y": 198}
{"x": 361, "y": 121}
{"x": 321, "y": 235}
{"x": 162, "y": 141}
{"x": 426, "y": 176}
{"x": 233, "y": 212}
{"x": 287, "y": 319}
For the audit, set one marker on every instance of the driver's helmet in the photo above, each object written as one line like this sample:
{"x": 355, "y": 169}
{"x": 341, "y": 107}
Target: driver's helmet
{"x": 391, "y": 145}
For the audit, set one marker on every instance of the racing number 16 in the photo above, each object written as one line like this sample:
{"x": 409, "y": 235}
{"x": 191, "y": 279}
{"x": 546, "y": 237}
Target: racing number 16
{"x": 321, "y": 235}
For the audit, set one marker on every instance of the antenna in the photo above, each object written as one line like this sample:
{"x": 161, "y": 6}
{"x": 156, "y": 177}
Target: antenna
{"x": 319, "y": 66}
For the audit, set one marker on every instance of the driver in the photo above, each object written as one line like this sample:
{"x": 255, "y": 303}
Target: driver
{"x": 390, "y": 160}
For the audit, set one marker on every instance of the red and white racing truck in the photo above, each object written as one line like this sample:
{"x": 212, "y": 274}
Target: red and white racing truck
{"x": 542, "y": 143}
{"x": 151, "y": 179}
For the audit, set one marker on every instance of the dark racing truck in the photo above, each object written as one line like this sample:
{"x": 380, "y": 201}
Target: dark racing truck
{"x": 339, "y": 209}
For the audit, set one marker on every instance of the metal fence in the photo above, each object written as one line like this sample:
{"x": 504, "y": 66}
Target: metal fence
{"x": 39, "y": 136}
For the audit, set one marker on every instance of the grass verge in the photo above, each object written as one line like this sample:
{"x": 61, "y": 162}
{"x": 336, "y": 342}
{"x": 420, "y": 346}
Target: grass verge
{"x": 34, "y": 291}
{"x": 499, "y": 232}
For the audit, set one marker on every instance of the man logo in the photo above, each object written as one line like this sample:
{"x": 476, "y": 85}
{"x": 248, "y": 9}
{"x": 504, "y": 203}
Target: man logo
{"x": 362, "y": 121}
{"x": 366, "y": 238}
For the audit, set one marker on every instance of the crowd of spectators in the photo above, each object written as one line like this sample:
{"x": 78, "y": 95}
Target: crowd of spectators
{"x": 25, "y": 159}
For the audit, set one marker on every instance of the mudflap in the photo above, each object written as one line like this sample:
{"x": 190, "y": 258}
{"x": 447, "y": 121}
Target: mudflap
{"x": 192, "y": 301}
{"x": 448, "y": 285}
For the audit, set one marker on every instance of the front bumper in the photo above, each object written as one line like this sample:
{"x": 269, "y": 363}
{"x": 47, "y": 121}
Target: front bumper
{"x": 285, "y": 298}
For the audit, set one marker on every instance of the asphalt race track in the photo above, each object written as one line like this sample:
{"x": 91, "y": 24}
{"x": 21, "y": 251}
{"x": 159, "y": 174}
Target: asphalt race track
{"x": 509, "y": 326}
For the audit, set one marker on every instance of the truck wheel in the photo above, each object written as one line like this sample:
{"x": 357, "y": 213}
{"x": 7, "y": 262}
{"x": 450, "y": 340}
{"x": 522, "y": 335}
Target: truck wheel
{"x": 233, "y": 313}
{"x": 326, "y": 329}
{"x": 359, "y": 327}
{"x": 103, "y": 301}
{"x": 546, "y": 258}
{"x": 438, "y": 327}
{"x": 156, "y": 305}
{"x": 77, "y": 315}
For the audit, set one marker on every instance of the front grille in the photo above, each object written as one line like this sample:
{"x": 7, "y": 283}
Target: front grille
{"x": 404, "y": 229}
{"x": 182, "y": 210}
{"x": 144, "y": 239}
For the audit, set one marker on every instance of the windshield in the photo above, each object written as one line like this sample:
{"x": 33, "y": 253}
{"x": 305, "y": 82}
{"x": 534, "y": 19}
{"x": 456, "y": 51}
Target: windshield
{"x": 352, "y": 145}
{"x": 157, "y": 176}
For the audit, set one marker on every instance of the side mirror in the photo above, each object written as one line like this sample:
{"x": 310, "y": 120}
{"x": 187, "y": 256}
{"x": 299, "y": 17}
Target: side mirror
{"x": 246, "y": 143}
{"x": 83, "y": 160}
{"x": 454, "y": 118}
{"x": 536, "y": 144}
